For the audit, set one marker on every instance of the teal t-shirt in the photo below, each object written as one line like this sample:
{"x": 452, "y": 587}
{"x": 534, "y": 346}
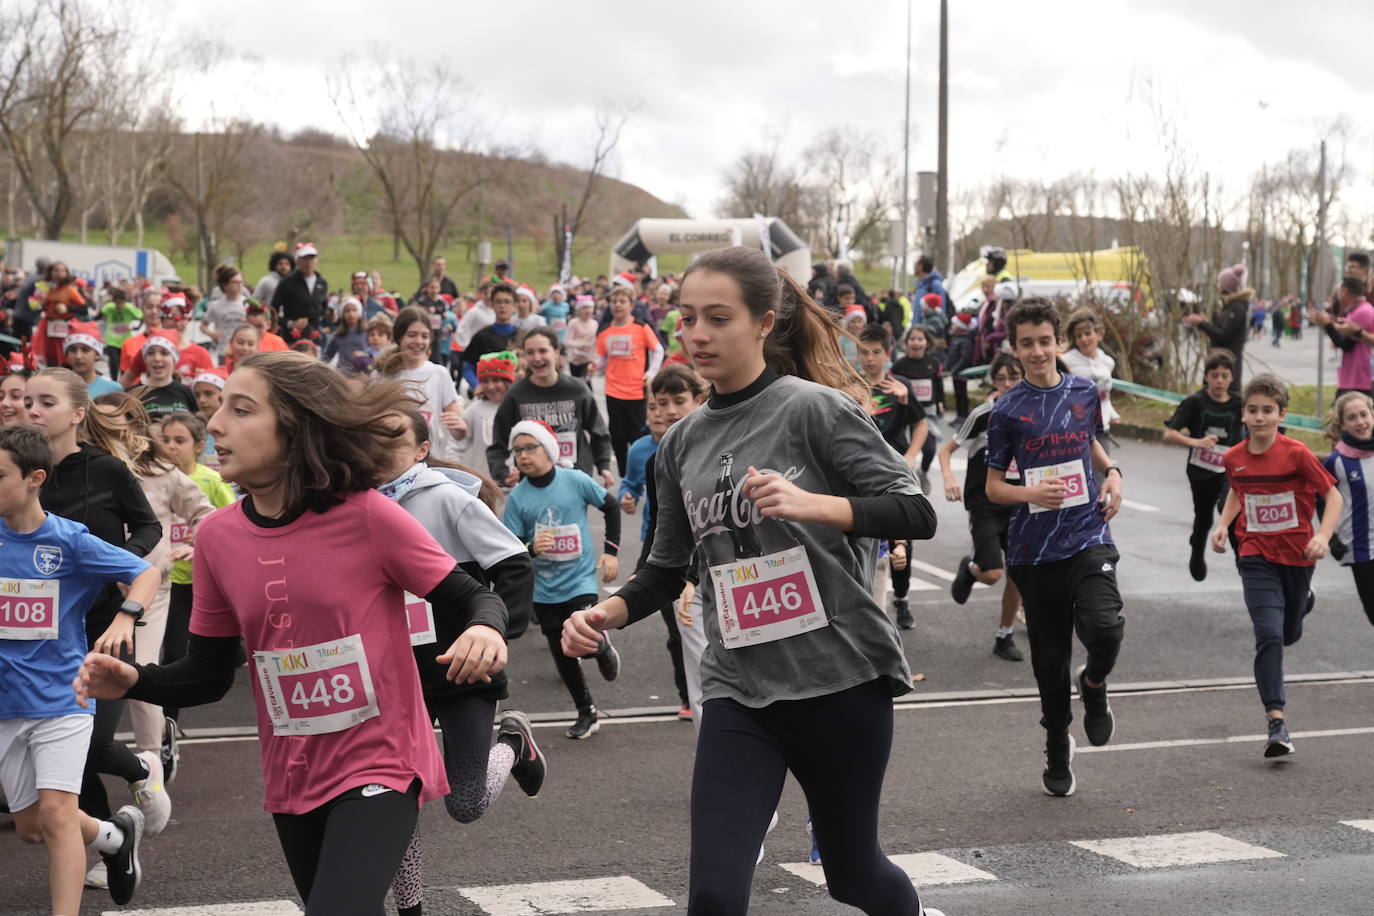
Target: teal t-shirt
{"x": 570, "y": 569}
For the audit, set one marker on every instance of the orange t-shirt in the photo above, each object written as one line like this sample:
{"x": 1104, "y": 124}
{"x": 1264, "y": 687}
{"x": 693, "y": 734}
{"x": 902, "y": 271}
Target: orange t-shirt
{"x": 627, "y": 359}
{"x": 271, "y": 342}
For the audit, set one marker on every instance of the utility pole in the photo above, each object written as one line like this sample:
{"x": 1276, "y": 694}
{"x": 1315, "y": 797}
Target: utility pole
{"x": 1316, "y": 277}
{"x": 942, "y": 241}
{"x": 906, "y": 158}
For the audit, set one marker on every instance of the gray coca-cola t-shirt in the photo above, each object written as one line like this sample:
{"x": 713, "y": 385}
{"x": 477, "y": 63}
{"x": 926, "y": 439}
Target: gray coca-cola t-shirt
{"x": 824, "y": 443}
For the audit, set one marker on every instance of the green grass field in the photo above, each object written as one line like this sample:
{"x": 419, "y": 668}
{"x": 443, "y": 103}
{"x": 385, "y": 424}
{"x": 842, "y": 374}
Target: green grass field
{"x": 342, "y": 255}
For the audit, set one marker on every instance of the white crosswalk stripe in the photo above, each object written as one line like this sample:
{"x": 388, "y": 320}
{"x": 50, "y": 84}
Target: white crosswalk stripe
{"x": 252, "y": 908}
{"x": 583, "y": 896}
{"x": 1170, "y": 850}
{"x": 926, "y": 869}
{"x": 1360, "y": 825}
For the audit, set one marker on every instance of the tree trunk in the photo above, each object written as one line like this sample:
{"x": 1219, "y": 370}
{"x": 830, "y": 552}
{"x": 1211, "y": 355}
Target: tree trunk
{"x": 138, "y": 228}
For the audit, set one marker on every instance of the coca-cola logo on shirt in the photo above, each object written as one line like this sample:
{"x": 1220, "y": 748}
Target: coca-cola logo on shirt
{"x": 737, "y": 512}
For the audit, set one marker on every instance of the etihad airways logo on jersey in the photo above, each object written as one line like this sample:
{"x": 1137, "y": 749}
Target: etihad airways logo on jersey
{"x": 733, "y": 509}
{"x": 1053, "y": 440}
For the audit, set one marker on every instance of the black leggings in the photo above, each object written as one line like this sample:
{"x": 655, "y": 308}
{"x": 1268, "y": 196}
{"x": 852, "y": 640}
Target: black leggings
{"x": 178, "y": 631}
{"x": 1364, "y": 585}
{"x": 1209, "y": 497}
{"x": 837, "y": 748}
{"x": 343, "y": 854}
{"x": 674, "y": 644}
{"x": 106, "y": 755}
{"x": 901, "y": 578}
{"x": 551, "y": 617}
{"x": 626, "y": 421}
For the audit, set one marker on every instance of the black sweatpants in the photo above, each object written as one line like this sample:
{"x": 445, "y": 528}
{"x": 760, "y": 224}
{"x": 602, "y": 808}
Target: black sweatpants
{"x": 901, "y": 578}
{"x": 1364, "y": 585}
{"x": 674, "y": 643}
{"x": 343, "y": 855}
{"x": 106, "y": 755}
{"x": 1077, "y": 593}
{"x": 837, "y": 747}
{"x": 1276, "y": 598}
{"x": 1209, "y": 498}
{"x": 626, "y": 421}
{"x": 178, "y": 632}
{"x": 551, "y": 617}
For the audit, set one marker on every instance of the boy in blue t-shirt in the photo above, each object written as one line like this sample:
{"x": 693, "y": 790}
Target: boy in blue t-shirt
{"x": 1059, "y": 550}
{"x": 637, "y": 458}
{"x": 50, "y": 572}
{"x": 548, "y": 511}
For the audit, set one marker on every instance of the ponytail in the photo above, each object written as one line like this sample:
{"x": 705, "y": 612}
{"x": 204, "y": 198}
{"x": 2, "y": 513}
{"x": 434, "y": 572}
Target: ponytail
{"x": 96, "y": 429}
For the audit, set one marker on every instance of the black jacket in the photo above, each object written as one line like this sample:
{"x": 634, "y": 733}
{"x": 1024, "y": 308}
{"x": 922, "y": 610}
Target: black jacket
{"x": 100, "y": 492}
{"x": 1231, "y": 327}
{"x": 292, "y": 300}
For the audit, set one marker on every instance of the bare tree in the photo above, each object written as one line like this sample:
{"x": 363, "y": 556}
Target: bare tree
{"x": 853, "y": 177}
{"x": 211, "y": 172}
{"x": 413, "y": 148}
{"x": 760, "y": 181}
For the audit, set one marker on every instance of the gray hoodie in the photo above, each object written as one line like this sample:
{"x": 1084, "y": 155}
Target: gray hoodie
{"x": 445, "y": 502}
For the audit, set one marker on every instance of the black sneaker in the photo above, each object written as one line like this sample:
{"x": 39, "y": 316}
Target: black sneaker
{"x": 1098, "y": 721}
{"x": 122, "y": 870}
{"x": 924, "y": 478}
{"x": 586, "y": 724}
{"x": 904, "y": 618}
{"x": 1197, "y": 566}
{"x": 1058, "y": 775}
{"x": 963, "y": 581}
{"x": 529, "y": 768}
{"x": 608, "y": 659}
{"x": 1279, "y": 744}
{"x": 4, "y": 803}
{"x": 1005, "y": 647}
{"x": 171, "y": 753}
{"x": 1311, "y": 603}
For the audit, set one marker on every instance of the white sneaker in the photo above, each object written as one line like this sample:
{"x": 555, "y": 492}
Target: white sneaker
{"x": 151, "y": 795}
{"x": 772, "y": 823}
{"x": 97, "y": 878}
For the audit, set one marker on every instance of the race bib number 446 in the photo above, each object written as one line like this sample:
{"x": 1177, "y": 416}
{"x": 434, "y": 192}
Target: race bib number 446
{"x": 766, "y": 598}
{"x": 28, "y": 608}
{"x": 316, "y": 689}
{"x": 1075, "y": 483}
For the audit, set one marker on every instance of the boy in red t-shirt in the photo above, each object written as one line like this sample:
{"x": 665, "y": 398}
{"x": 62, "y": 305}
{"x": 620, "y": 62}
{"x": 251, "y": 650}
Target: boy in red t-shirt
{"x": 1275, "y": 481}
{"x": 629, "y": 354}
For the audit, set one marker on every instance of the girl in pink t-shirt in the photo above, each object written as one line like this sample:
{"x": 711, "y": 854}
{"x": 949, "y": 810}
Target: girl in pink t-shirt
{"x": 347, "y": 751}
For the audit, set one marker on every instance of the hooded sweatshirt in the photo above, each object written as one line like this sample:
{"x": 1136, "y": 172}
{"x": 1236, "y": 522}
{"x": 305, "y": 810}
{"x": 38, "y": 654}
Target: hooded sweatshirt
{"x": 100, "y": 492}
{"x": 445, "y": 502}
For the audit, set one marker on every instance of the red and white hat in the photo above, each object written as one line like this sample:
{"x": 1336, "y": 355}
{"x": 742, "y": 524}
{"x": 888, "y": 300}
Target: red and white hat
{"x": 524, "y": 289}
{"x": 306, "y": 250}
{"x": 852, "y": 311}
{"x": 164, "y": 338}
{"x": 540, "y": 432}
{"x": 216, "y": 376}
{"x": 85, "y": 334}
{"x": 625, "y": 279}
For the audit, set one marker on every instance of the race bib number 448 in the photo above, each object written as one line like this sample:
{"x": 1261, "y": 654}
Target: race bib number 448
{"x": 315, "y": 690}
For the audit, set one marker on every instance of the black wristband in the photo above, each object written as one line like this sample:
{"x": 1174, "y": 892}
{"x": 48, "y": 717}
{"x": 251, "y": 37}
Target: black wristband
{"x": 1113, "y": 467}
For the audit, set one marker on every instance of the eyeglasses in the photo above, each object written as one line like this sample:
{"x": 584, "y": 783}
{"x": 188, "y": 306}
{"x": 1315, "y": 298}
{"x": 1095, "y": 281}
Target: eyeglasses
{"x": 526, "y": 449}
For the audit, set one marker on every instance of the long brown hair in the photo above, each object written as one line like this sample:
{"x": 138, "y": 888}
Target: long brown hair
{"x": 95, "y": 429}
{"x": 805, "y": 339}
{"x": 487, "y": 491}
{"x": 336, "y": 434}
{"x": 391, "y": 362}
{"x": 137, "y": 432}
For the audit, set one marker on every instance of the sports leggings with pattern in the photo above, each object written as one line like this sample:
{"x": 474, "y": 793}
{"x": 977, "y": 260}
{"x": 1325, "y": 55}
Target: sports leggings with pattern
{"x": 477, "y": 772}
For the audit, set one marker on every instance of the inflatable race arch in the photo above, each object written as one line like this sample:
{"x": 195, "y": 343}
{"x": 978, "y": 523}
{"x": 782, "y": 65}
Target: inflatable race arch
{"x": 650, "y": 237}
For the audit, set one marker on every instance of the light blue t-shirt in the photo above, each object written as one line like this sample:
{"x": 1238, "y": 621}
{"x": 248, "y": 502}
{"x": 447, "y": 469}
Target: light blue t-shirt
{"x": 570, "y": 570}
{"x": 556, "y": 314}
{"x": 102, "y": 385}
{"x": 36, "y": 674}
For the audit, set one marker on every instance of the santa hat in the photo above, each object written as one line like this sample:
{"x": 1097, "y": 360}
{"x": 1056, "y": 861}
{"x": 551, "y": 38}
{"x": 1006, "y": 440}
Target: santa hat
{"x": 625, "y": 279}
{"x": 524, "y": 290}
{"x": 557, "y": 288}
{"x": 216, "y": 376}
{"x": 501, "y": 364}
{"x": 966, "y": 320}
{"x": 540, "y": 432}
{"x": 165, "y": 339}
{"x": 852, "y": 310}
{"x": 83, "y": 333}
{"x": 585, "y": 301}
{"x": 933, "y": 301}
{"x": 1231, "y": 279}
{"x": 172, "y": 304}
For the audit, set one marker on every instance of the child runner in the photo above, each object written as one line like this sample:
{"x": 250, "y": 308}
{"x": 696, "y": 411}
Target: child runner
{"x": 566, "y": 405}
{"x": 581, "y": 338}
{"x": 1086, "y": 357}
{"x": 349, "y": 341}
{"x": 261, "y": 317}
{"x": 800, "y": 659}
{"x": 441, "y": 498}
{"x": 81, "y": 350}
{"x": 629, "y": 354}
{"x": 56, "y": 569}
{"x": 119, "y": 316}
{"x": 431, "y": 386}
{"x": 14, "y": 377}
{"x": 921, "y": 367}
{"x": 1351, "y": 427}
{"x": 548, "y": 511}
{"x": 378, "y": 337}
{"x": 163, "y": 392}
{"x": 527, "y": 318}
{"x": 1275, "y": 482}
{"x": 311, "y": 568}
{"x": 640, "y": 451}
{"x": 987, "y": 521}
{"x": 555, "y": 310}
{"x": 245, "y": 340}
{"x": 190, "y": 357}
{"x": 181, "y": 441}
{"x": 498, "y": 336}
{"x": 496, "y": 372}
{"x": 902, "y": 421}
{"x": 1207, "y": 423}
{"x": 1060, "y": 550}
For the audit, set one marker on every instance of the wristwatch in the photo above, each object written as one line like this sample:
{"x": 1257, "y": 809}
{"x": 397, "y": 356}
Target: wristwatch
{"x": 1113, "y": 467}
{"x": 133, "y": 609}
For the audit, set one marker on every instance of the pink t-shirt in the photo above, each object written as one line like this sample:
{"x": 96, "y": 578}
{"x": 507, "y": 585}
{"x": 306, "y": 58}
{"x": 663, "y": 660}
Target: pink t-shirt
{"x": 331, "y": 588}
{"x": 1354, "y": 371}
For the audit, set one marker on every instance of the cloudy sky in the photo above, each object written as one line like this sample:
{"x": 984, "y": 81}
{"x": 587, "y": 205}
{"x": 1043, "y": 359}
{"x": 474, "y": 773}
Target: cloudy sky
{"x": 1036, "y": 89}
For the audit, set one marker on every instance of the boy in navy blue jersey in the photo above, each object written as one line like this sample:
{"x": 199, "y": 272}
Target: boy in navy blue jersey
{"x": 50, "y": 572}
{"x": 1060, "y": 552}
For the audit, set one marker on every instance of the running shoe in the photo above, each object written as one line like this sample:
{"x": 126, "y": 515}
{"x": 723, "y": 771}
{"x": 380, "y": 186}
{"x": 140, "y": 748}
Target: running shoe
{"x": 772, "y": 822}
{"x": 1058, "y": 775}
{"x": 586, "y": 724}
{"x": 1279, "y": 744}
{"x": 904, "y": 618}
{"x": 1311, "y": 603}
{"x": 1098, "y": 721}
{"x": 815, "y": 857}
{"x": 608, "y": 659}
{"x": 122, "y": 870}
{"x": 529, "y": 768}
{"x": 171, "y": 753}
{"x": 98, "y": 877}
{"x": 924, "y": 478}
{"x": 1005, "y": 647}
{"x": 963, "y": 581}
{"x": 684, "y": 712}
{"x": 1197, "y": 566}
{"x": 4, "y": 803}
{"x": 151, "y": 795}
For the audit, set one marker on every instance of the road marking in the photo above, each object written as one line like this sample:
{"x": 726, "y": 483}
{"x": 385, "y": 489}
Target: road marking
{"x": 1360, "y": 825}
{"x": 938, "y": 572}
{"x": 1139, "y": 507}
{"x": 926, "y": 869}
{"x": 584, "y": 896}
{"x": 1233, "y": 739}
{"x": 1170, "y": 850}
{"x": 258, "y": 908}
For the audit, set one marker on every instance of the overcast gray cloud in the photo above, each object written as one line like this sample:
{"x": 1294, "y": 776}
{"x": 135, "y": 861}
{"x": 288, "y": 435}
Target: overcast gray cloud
{"x": 1041, "y": 89}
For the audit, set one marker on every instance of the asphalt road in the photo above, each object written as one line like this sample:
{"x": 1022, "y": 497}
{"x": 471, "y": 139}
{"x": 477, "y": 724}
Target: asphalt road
{"x": 1225, "y": 832}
